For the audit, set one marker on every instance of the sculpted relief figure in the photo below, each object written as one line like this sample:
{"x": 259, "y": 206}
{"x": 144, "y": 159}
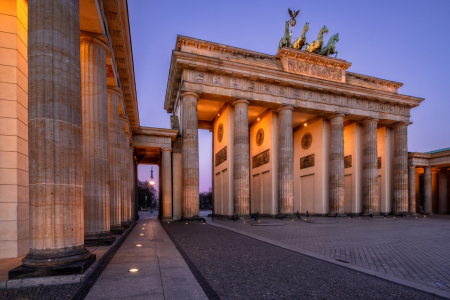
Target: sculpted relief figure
{"x": 301, "y": 41}
{"x": 316, "y": 46}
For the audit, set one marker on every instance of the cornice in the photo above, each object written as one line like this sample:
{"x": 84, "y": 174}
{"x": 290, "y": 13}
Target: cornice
{"x": 172, "y": 133}
{"x": 190, "y": 61}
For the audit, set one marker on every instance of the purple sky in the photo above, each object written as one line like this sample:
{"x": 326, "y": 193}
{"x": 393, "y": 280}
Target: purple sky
{"x": 405, "y": 41}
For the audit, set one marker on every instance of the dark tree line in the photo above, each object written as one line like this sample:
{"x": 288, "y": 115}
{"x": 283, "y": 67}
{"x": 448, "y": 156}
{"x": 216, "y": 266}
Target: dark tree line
{"x": 145, "y": 189}
{"x": 206, "y": 199}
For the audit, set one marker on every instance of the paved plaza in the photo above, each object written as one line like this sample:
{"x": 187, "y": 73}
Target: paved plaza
{"x": 411, "y": 249}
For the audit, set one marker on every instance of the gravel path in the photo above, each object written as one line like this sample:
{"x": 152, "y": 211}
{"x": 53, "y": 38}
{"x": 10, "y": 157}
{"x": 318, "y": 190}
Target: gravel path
{"x": 232, "y": 266}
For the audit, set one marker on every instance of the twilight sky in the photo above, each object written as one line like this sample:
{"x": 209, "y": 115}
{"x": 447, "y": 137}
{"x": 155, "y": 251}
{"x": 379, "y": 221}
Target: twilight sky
{"x": 400, "y": 40}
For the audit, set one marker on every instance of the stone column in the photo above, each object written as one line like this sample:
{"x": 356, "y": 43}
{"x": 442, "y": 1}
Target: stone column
{"x": 412, "y": 189}
{"x": 128, "y": 177}
{"x": 123, "y": 174}
{"x": 55, "y": 135}
{"x": 428, "y": 193}
{"x": 134, "y": 216}
{"x": 166, "y": 170}
{"x": 443, "y": 191}
{"x": 114, "y": 162}
{"x": 286, "y": 162}
{"x": 336, "y": 165}
{"x": 400, "y": 204}
{"x": 190, "y": 157}
{"x": 370, "y": 168}
{"x": 241, "y": 159}
{"x": 95, "y": 142}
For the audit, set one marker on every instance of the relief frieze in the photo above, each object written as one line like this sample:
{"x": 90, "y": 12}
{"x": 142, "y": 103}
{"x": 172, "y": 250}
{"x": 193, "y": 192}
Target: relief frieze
{"x": 221, "y": 156}
{"x": 307, "y": 161}
{"x": 347, "y": 161}
{"x": 260, "y": 159}
{"x": 304, "y": 68}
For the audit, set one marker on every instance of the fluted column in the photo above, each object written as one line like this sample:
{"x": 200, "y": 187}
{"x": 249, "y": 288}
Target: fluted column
{"x": 400, "y": 204}
{"x": 114, "y": 162}
{"x": 95, "y": 142}
{"x": 132, "y": 184}
{"x": 286, "y": 161}
{"x": 190, "y": 156}
{"x": 128, "y": 176}
{"x": 428, "y": 192}
{"x": 166, "y": 170}
{"x": 336, "y": 164}
{"x": 55, "y": 134}
{"x": 443, "y": 208}
{"x": 241, "y": 159}
{"x": 370, "y": 168}
{"x": 123, "y": 173}
{"x": 412, "y": 189}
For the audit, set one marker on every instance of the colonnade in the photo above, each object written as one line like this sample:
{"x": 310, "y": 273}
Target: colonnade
{"x": 80, "y": 158}
{"x": 241, "y": 185}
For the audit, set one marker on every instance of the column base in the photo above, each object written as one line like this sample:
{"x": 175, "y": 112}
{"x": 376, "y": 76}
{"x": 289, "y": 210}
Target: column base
{"x": 125, "y": 224}
{"x": 116, "y": 229}
{"x": 339, "y": 215}
{"x": 73, "y": 268}
{"x": 48, "y": 258}
{"x": 99, "y": 239}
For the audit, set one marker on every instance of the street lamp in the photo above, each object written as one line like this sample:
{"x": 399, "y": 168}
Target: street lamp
{"x": 151, "y": 178}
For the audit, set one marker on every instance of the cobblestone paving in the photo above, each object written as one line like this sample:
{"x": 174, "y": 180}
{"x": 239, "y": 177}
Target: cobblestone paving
{"x": 414, "y": 249}
{"x": 50, "y": 292}
{"x": 232, "y": 266}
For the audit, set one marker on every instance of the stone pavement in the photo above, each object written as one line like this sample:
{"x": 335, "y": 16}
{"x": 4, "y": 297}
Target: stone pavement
{"x": 163, "y": 274}
{"x": 413, "y": 249}
{"x": 229, "y": 265}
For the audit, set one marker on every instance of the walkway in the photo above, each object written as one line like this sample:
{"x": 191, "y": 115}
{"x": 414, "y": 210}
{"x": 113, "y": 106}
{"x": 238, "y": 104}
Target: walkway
{"x": 163, "y": 274}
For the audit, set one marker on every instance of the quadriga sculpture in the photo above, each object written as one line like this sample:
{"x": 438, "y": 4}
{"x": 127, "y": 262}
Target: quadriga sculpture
{"x": 316, "y": 46}
{"x": 286, "y": 39}
{"x": 330, "y": 48}
{"x": 301, "y": 41}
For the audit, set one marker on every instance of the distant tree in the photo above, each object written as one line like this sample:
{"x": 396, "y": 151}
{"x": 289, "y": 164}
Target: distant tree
{"x": 206, "y": 199}
{"x": 146, "y": 189}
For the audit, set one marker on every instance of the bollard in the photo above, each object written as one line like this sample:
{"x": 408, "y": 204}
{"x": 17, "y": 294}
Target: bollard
{"x": 403, "y": 215}
{"x": 235, "y": 219}
{"x": 282, "y": 217}
{"x": 307, "y": 214}
{"x": 298, "y": 215}
{"x": 257, "y": 215}
{"x": 371, "y": 215}
{"x": 337, "y": 215}
{"x": 212, "y": 216}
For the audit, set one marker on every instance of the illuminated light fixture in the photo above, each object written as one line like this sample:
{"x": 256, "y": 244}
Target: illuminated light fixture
{"x": 258, "y": 119}
{"x": 142, "y": 234}
{"x": 151, "y": 178}
{"x": 143, "y": 228}
{"x": 203, "y": 223}
{"x": 138, "y": 245}
{"x": 168, "y": 222}
{"x": 133, "y": 270}
{"x": 394, "y": 217}
{"x": 218, "y": 114}
{"x": 186, "y": 223}
{"x": 304, "y": 124}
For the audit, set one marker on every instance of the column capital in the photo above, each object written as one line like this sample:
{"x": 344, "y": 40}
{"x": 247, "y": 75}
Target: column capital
{"x": 86, "y": 39}
{"x": 240, "y": 101}
{"x": 336, "y": 115}
{"x": 166, "y": 149}
{"x": 113, "y": 91}
{"x": 370, "y": 120}
{"x": 401, "y": 124}
{"x": 284, "y": 107}
{"x": 190, "y": 94}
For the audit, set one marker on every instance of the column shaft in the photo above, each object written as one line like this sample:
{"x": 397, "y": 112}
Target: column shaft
{"x": 412, "y": 190}
{"x": 114, "y": 162}
{"x": 400, "y": 204}
{"x": 241, "y": 159}
{"x": 55, "y": 134}
{"x": 95, "y": 142}
{"x": 190, "y": 156}
{"x": 428, "y": 192}
{"x": 123, "y": 174}
{"x": 443, "y": 209}
{"x": 286, "y": 162}
{"x": 166, "y": 166}
{"x": 128, "y": 177}
{"x": 336, "y": 165}
{"x": 370, "y": 168}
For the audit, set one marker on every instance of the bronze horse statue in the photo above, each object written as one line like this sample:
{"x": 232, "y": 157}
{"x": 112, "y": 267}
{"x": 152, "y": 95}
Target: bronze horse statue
{"x": 286, "y": 39}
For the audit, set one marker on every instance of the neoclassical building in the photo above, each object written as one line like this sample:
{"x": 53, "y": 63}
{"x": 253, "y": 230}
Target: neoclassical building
{"x": 292, "y": 132}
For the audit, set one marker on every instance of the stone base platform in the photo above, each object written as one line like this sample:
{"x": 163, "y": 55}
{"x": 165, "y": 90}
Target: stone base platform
{"x": 74, "y": 268}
